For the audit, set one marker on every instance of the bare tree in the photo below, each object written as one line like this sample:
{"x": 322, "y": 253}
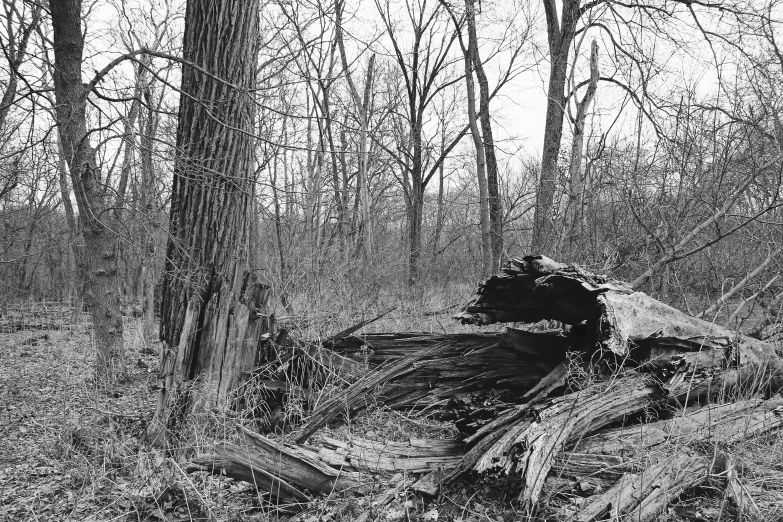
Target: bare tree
{"x": 17, "y": 39}
{"x": 574, "y": 19}
{"x": 20, "y": 24}
{"x": 423, "y": 67}
{"x": 469, "y": 52}
{"x": 495, "y": 211}
{"x": 561, "y": 29}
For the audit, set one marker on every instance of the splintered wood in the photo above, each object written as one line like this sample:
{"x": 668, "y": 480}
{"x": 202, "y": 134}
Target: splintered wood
{"x": 618, "y": 405}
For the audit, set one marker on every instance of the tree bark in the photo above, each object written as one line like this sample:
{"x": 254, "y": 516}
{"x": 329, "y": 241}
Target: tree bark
{"x": 682, "y": 350}
{"x": 441, "y": 212}
{"x": 213, "y": 312}
{"x": 101, "y": 285}
{"x": 414, "y": 231}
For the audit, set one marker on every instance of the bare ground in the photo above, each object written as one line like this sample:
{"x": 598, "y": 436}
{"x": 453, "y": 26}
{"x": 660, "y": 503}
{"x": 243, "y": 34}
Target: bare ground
{"x": 68, "y": 452}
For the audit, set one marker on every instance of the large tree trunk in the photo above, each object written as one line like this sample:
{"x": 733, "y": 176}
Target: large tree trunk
{"x": 102, "y": 295}
{"x": 101, "y": 288}
{"x": 213, "y": 312}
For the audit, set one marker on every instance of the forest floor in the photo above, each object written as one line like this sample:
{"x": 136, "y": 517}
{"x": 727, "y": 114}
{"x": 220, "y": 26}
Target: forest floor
{"x": 68, "y": 452}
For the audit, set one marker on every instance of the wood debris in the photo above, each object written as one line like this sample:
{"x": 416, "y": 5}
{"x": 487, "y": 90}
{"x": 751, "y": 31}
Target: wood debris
{"x": 578, "y": 407}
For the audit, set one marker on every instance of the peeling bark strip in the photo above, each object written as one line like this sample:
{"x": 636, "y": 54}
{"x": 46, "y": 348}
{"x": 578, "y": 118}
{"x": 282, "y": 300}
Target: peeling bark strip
{"x": 296, "y": 472}
{"x": 530, "y": 446}
{"x": 213, "y": 313}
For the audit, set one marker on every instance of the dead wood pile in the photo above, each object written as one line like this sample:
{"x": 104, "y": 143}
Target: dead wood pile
{"x": 567, "y": 411}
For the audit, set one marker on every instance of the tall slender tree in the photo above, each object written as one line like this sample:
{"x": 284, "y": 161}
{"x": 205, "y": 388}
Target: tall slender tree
{"x": 561, "y": 27}
{"x": 478, "y": 143}
{"x": 362, "y": 102}
{"x": 495, "y": 210}
{"x": 94, "y": 197}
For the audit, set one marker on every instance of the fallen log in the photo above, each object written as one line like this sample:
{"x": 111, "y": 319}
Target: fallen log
{"x": 514, "y": 360}
{"x": 574, "y": 405}
{"x": 234, "y": 462}
{"x": 685, "y": 359}
{"x": 295, "y": 473}
{"x": 488, "y": 436}
{"x": 22, "y": 326}
{"x": 472, "y": 366}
